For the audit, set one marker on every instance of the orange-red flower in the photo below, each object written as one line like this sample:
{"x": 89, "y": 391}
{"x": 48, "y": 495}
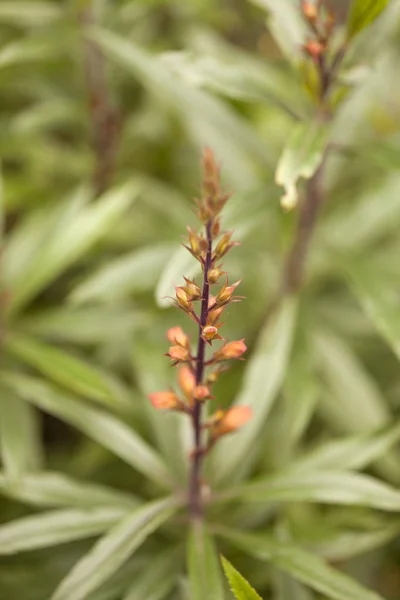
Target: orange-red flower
{"x": 201, "y": 393}
{"x": 225, "y": 294}
{"x": 165, "y": 400}
{"x": 187, "y": 381}
{"x": 178, "y": 354}
{"x": 231, "y": 350}
{"x": 178, "y": 337}
{"x": 231, "y": 420}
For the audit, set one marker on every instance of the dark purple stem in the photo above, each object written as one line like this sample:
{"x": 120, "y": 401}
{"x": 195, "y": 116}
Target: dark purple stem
{"x": 195, "y": 502}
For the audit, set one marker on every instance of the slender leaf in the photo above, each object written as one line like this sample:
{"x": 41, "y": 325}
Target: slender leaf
{"x": 20, "y": 434}
{"x": 203, "y": 565}
{"x": 157, "y": 580}
{"x": 28, "y": 13}
{"x": 304, "y": 566}
{"x": 103, "y": 427}
{"x": 56, "y": 527}
{"x": 70, "y": 371}
{"x": 363, "y": 13}
{"x": 113, "y": 550}
{"x": 263, "y": 377}
{"x": 301, "y": 157}
{"x": 51, "y": 489}
{"x": 332, "y": 487}
{"x": 241, "y": 588}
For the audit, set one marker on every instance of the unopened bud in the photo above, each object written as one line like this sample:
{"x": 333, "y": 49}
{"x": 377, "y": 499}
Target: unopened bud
{"x": 225, "y": 294}
{"x": 165, "y": 400}
{"x": 214, "y": 314}
{"x": 183, "y": 299}
{"x": 309, "y": 10}
{"x": 210, "y": 333}
{"x": 231, "y": 350}
{"x": 214, "y": 275}
{"x": 192, "y": 289}
{"x": 314, "y": 49}
{"x": 178, "y": 353}
{"x": 186, "y": 381}
{"x": 201, "y": 393}
{"x": 178, "y": 337}
{"x": 224, "y": 245}
{"x": 231, "y": 420}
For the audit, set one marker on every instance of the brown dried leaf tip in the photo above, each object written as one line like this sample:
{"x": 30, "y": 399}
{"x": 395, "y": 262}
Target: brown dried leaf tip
{"x": 208, "y": 246}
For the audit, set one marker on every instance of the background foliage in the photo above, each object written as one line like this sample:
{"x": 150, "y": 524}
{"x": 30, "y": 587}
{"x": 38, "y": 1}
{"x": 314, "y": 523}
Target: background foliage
{"x": 104, "y": 109}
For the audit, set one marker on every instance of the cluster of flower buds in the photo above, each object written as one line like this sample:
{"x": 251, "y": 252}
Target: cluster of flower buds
{"x": 197, "y": 373}
{"x": 321, "y": 21}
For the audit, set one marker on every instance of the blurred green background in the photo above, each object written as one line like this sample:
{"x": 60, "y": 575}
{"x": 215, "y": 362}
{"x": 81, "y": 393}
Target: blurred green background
{"x": 105, "y": 107}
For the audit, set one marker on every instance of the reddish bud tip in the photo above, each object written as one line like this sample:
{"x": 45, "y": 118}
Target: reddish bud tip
{"x": 165, "y": 400}
{"x": 201, "y": 393}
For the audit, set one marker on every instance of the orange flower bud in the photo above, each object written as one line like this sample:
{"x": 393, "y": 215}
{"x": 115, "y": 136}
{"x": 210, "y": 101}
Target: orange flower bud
{"x": 183, "y": 299}
{"x": 178, "y": 337}
{"x": 194, "y": 241}
{"x": 178, "y": 353}
{"x": 216, "y": 228}
{"x": 210, "y": 333}
{"x": 201, "y": 393}
{"x": 231, "y": 420}
{"x": 186, "y": 381}
{"x": 224, "y": 245}
{"x": 214, "y": 314}
{"x": 192, "y": 289}
{"x": 309, "y": 10}
{"x": 231, "y": 350}
{"x": 314, "y": 49}
{"x": 225, "y": 294}
{"x": 165, "y": 400}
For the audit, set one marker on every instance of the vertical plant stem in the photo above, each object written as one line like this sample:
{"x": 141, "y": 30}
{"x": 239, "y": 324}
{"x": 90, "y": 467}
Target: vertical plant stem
{"x": 195, "y": 501}
{"x": 104, "y": 119}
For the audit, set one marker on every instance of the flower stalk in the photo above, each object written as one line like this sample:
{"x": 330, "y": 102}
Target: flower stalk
{"x": 195, "y": 384}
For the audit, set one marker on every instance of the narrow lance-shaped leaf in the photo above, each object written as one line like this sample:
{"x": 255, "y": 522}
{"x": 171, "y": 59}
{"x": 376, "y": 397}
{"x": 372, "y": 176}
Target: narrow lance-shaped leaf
{"x": 158, "y": 578}
{"x": 56, "y": 527}
{"x": 240, "y": 587}
{"x": 203, "y": 565}
{"x": 263, "y": 377}
{"x": 304, "y": 566}
{"x": 112, "y": 550}
{"x": 301, "y": 157}
{"x": 101, "y": 426}
{"x": 363, "y": 13}
{"x": 70, "y": 371}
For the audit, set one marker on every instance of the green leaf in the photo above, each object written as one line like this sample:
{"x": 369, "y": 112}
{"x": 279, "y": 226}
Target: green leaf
{"x": 209, "y": 120}
{"x": 78, "y": 229}
{"x": 101, "y": 426}
{"x": 241, "y": 588}
{"x": 20, "y": 435}
{"x": 29, "y": 13}
{"x": 113, "y": 550}
{"x": 56, "y": 527}
{"x": 156, "y": 581}
{"x": 48, "y": 489}
{"x": 331, "y": 487}
{"x": 377, "y": 295}
{"x": 304, "y": 566}
{"x": 363, "y": 13}
{"x": 136, "y": 272}
{"x": 301, "y": 157}
{"x": 263, "y": 377}
{"x": 70, "y": 371}
{"x": 203, "y": 565}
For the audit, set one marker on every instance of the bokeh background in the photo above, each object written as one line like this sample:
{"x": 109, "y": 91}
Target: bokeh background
{"x": 105, "y": 107}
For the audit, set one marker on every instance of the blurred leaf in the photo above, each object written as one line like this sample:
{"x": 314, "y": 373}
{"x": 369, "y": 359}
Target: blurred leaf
{"x": 286, "y": 25}
{"x": 203, "y": 565}
{"x": 101, "y": 426}
{"x": 304, "y": 566}
{"x": 357, "y": 404}
{"x": 20, "y": 441}
{"x": 353, "y": 452}
{"x": 26, "y": 51}
{"x": 301, "y": 157}
{"x": 28, "y": 13}
{"x": 210, "y": 121}
{"x": 362, "y": 13}
{"x": 70, "y": 371}
{"x": 380, "y": 299}
{"x": 263, "y": 377}
{"x": 329, "y": 487}
{"x": 71, "y": 237}
{"x": 56, "y": 527}
{"x": 47, "y": 489}
{"x": 157, "y": 579}
{"x": 136, "y": 272}
{"x": 112, "y": 551}
{"x": 241, "y": 588}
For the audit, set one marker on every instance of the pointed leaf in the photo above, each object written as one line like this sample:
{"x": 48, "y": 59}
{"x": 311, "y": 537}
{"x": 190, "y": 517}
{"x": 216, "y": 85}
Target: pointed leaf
{"x": 304, "y": 566}
{"x": 103, "y": 427}
{"x": 241, "y": 588}
{"x": 363, "y": 13}
{"x": 157, "y": 580}
{"x": 56, "y": 527}
{"x": 264, "y": 374}
{"x": 113, "y": 550}
{"x": 203, "y": 565}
